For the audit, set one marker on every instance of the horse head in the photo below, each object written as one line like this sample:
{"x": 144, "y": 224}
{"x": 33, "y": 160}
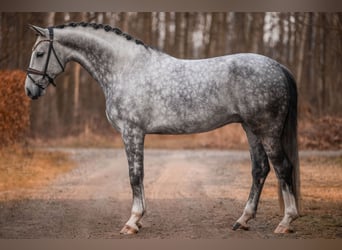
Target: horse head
{"x": 45, "y": 64}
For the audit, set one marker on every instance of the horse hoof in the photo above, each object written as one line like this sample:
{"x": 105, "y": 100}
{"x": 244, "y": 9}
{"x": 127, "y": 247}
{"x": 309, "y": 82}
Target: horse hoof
{"x": 238, "y": 225}
{"x": 283, "y": 230}
{"x": 129, "y": 230}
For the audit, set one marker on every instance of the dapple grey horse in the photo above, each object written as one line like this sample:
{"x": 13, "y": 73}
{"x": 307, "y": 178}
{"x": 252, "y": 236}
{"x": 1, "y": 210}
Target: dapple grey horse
{"x": 150, "y": 92}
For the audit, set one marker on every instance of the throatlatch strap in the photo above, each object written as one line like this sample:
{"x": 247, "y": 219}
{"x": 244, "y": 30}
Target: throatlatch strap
{"x": 53, "y": 49}
{"x": 49, "y": 53}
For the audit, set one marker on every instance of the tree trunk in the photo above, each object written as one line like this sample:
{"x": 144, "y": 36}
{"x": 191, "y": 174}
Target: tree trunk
{"x": 179, "y": 35}
{"x": 301, "y": 51}
{"x": 168, "y": 41}
{"x": 257, "y": 32}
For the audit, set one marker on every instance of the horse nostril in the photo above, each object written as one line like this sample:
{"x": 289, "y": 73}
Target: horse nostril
{"x": 28, "y": 92}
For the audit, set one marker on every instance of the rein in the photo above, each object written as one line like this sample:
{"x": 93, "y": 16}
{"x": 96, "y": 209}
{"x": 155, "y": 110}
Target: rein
{"x": 44, "y": 73}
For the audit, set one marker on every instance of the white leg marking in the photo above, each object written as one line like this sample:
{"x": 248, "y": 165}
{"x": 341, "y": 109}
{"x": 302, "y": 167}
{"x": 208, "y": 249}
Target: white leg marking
{"x": 248, "y": 213}
{"x": 133, "y": 221}
{"x": 291, "y": 212}
{"x": 133, "y": 224}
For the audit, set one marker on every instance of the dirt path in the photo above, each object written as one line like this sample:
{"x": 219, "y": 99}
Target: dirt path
{"x": 189, "y": 193}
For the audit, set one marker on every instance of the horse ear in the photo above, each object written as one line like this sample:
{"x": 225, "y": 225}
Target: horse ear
{"x": 38, "y": 30}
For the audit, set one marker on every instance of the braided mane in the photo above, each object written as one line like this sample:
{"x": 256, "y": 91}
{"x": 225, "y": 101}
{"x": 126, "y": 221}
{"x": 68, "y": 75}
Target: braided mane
{"x": 105, "y": 27}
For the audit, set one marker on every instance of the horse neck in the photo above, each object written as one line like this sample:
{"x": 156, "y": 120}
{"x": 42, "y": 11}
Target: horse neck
{"x": 102, "y": 54}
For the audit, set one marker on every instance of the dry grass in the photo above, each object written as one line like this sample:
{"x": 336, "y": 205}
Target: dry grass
{"x": 322, "y": 178}
{"x": 22, "y": 168}
{"x": 322, "y": 133}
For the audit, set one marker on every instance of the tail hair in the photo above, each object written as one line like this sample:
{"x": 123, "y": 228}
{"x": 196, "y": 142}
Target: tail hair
{"x": 289, "y": 139}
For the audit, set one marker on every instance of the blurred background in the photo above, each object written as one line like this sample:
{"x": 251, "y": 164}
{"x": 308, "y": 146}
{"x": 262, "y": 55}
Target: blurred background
{"x": 309, "y": 44}
{"x": 39, "y": 139}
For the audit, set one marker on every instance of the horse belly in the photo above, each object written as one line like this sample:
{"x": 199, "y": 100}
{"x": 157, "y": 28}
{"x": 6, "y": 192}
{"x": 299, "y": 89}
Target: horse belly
{"x": 188, "y": 127}
{"x": 187, "y": 118}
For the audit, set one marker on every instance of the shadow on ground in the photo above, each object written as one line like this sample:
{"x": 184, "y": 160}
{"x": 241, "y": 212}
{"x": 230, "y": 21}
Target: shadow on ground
{"x": 181, "y": 219}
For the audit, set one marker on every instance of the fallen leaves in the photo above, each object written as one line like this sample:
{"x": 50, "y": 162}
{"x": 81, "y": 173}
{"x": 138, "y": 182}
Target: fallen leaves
{"x": 14, "y": 107}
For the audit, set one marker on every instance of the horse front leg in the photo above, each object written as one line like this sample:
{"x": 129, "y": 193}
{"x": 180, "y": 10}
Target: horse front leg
{"x": 133, "y": 138}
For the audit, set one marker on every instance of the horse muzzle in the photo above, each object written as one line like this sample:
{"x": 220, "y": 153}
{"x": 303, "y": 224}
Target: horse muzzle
{"x": 32, "y": 90}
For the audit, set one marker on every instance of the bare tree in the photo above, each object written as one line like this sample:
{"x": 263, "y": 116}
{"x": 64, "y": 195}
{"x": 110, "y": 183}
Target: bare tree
{"x": 310, "y": 44}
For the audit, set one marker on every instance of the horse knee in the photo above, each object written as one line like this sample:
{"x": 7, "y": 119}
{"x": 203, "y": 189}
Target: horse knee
{"x": 136, "y": 174}
{"x": 135, "y": 179}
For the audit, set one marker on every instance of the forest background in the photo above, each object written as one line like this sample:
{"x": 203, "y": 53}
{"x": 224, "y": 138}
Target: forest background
{"x": 309, "y": 44}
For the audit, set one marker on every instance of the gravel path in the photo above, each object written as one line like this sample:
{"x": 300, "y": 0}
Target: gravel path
{"x": 189, "y": 194}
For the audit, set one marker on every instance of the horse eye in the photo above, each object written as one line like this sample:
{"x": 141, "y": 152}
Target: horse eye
{"x": 40, "y": 54}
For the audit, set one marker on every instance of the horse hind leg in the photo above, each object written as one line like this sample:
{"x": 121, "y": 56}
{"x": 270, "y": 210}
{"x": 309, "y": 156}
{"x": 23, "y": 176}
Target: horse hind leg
{"x": 283, "y": 169}
{"x": 260, "y": 170}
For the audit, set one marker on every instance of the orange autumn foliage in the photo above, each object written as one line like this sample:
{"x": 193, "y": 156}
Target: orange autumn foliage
{"x": 14, "y": 107}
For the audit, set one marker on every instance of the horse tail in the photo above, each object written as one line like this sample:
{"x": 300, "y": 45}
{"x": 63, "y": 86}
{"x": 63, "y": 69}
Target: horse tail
{"x": 289, "y": 138}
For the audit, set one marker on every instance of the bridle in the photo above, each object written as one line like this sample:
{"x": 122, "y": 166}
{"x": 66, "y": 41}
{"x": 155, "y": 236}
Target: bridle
{"x": 44, "y": 73}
